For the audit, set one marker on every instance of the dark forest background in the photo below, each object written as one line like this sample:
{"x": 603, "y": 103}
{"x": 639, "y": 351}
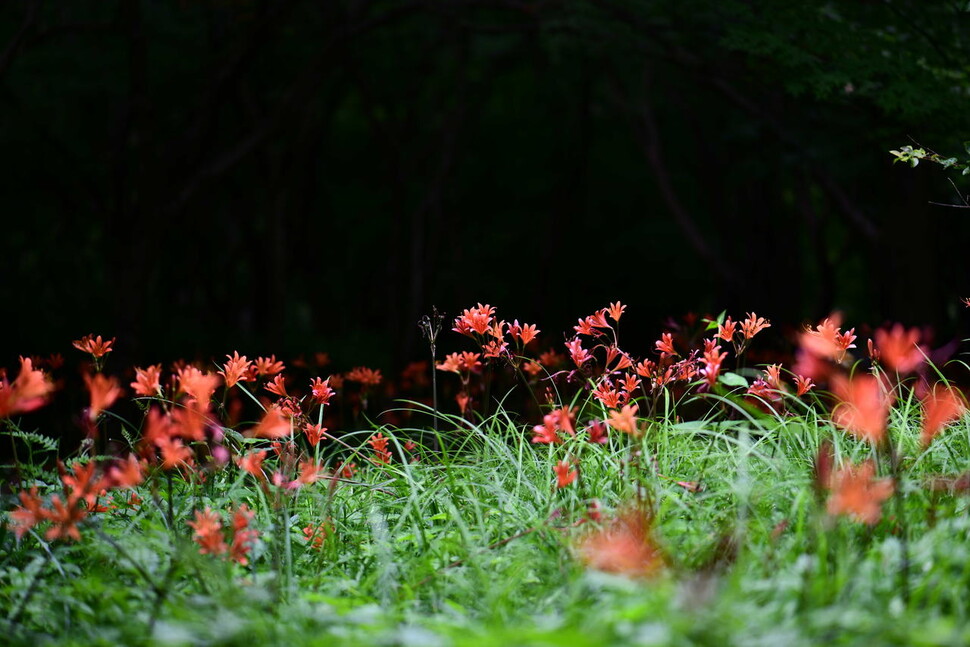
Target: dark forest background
{"x": 202, "y": 176}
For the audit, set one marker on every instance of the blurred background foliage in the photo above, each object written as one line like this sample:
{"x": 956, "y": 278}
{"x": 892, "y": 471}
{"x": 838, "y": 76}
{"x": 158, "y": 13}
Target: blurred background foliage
{"x": 290, "y": 176}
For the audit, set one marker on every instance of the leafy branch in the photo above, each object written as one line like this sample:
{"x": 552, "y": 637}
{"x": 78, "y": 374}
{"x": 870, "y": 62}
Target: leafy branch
{"x": 913, "y": 156}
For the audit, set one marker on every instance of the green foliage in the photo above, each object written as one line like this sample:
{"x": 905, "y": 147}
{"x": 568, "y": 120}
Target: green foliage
{"x": 913, "y": 156}
{"x": 435, "y": 553}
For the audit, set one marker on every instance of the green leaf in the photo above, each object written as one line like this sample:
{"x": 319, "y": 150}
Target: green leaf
{"x": 732, "y": 380}
{"x": 34, "y": 438}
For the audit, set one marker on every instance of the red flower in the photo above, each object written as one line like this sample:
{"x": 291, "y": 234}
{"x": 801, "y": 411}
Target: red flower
{"x": 366, "y": 376}
{"x": 243, "y": 537}
{"x": 624, "y": 547}
{"x": 28, "y": 392}
{"x": 863, "y": 407}
{"x": 103, "y": 391}
{"x": 616, "y": 311}
{"x": 941, "y": 406}
{"x": 476, "y": 320}
{"x": 267, "y": 366}
{"x": 315, "y": 535}
{"x": 320, "y": 390}
{"x": 753, "y": 325}
{"x": 666, "y": 344}
{"x": 148, "y": 381}
{"x": 803, "y": 385}
{"x": 127, "y": 473}
{"x": 712, "y": 360}
{"x": 208, "y": 533}
{"x": 598, "y": 432}
{"x": 898, "y": 349}
{"x": 29, "y": 514}
{"x": 198, "y": 386}
{"x": 274, "y": 425}
{"x": 579, "y": 354}
{"x": 605, "y": 393}
{"x": 95, "y": 346}
{"x": 174, "y": 453}
{"x": 253, "y": 463}
{"x": 379, "y": 443}
{"x": 625, "y": 420}
{"x": 564, "y": 474}
{"x": 827, "y": 341}
{"x": 236, "y": 369}
{"x": 585, "y": 327}
{"x": 855, "y": 493}
{"x": 726, "y": 330}
{"x": 314, "y": 434}
{"x": 64, "y": 519}
{"x": 277, "y": 386}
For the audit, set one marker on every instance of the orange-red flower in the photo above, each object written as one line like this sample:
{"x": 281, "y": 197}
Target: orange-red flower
{"x": 243, "y": 537}
{"x": 274, "y": 425}
{"x": 565, "y": 474}
{"x": 235, "y": 370}
{"x": 477, "y": 320}
{"x": 95, "y": 346}
{"x": 316, "y": 534}
{"x": 609, "y": 396}
{"x": 616, "y": 311}
{"x": 314, "y": 433}
{"x": 277, "y": 386}
{"x": 863, "y": 407}
{"x": 624, "y": 547}
{"x": 208, "y": 533}
{"x": 366, "y": 376}
{"x": 310, "y": 472}
{"x": 855, "y": 493}
{"x": 666, "y": 344}
{"x": 625, "y": 420}
{"x": 320, "y": 390}
{"x": 598, "y": 432}
{"x": 461, "y": 362}
{"x": 464, "y": 401}
{"x": 727, "y": 330}
{"x": 552, "y": 359}
{"x": 147, "y": 381}
{"x": 630, "y": 383}
{"x": 379, "y": 442}
{"x": 174, "y": 453}
{"x": 103, "y": 390}
{"x": 898, "y": 349}
{"x": 803, "y": 385}
{"x": 64, "y": 518}
{"x": 585, "y": 327}
{"x": 557, "y": 420}
{"x": 753, "y": 325}
{"x": 253, "y": 462}
{"x": 579, "y": 354}
{"x": 126, "y": 473}
{"x": 29, "y": 514}
{"x": 827, "y": 340}
{"x": 495, "y": 349}
{"x": 198, "y": 385}
{"x": 941, "y": 406}
{"x": 267, "y": 366}
{"x": 712, "y": 360}
{"x": 28, "y": 392}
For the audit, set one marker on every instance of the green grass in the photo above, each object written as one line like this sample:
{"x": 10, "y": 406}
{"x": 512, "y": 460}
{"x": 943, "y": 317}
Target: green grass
{"x": 475, "y": 546}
